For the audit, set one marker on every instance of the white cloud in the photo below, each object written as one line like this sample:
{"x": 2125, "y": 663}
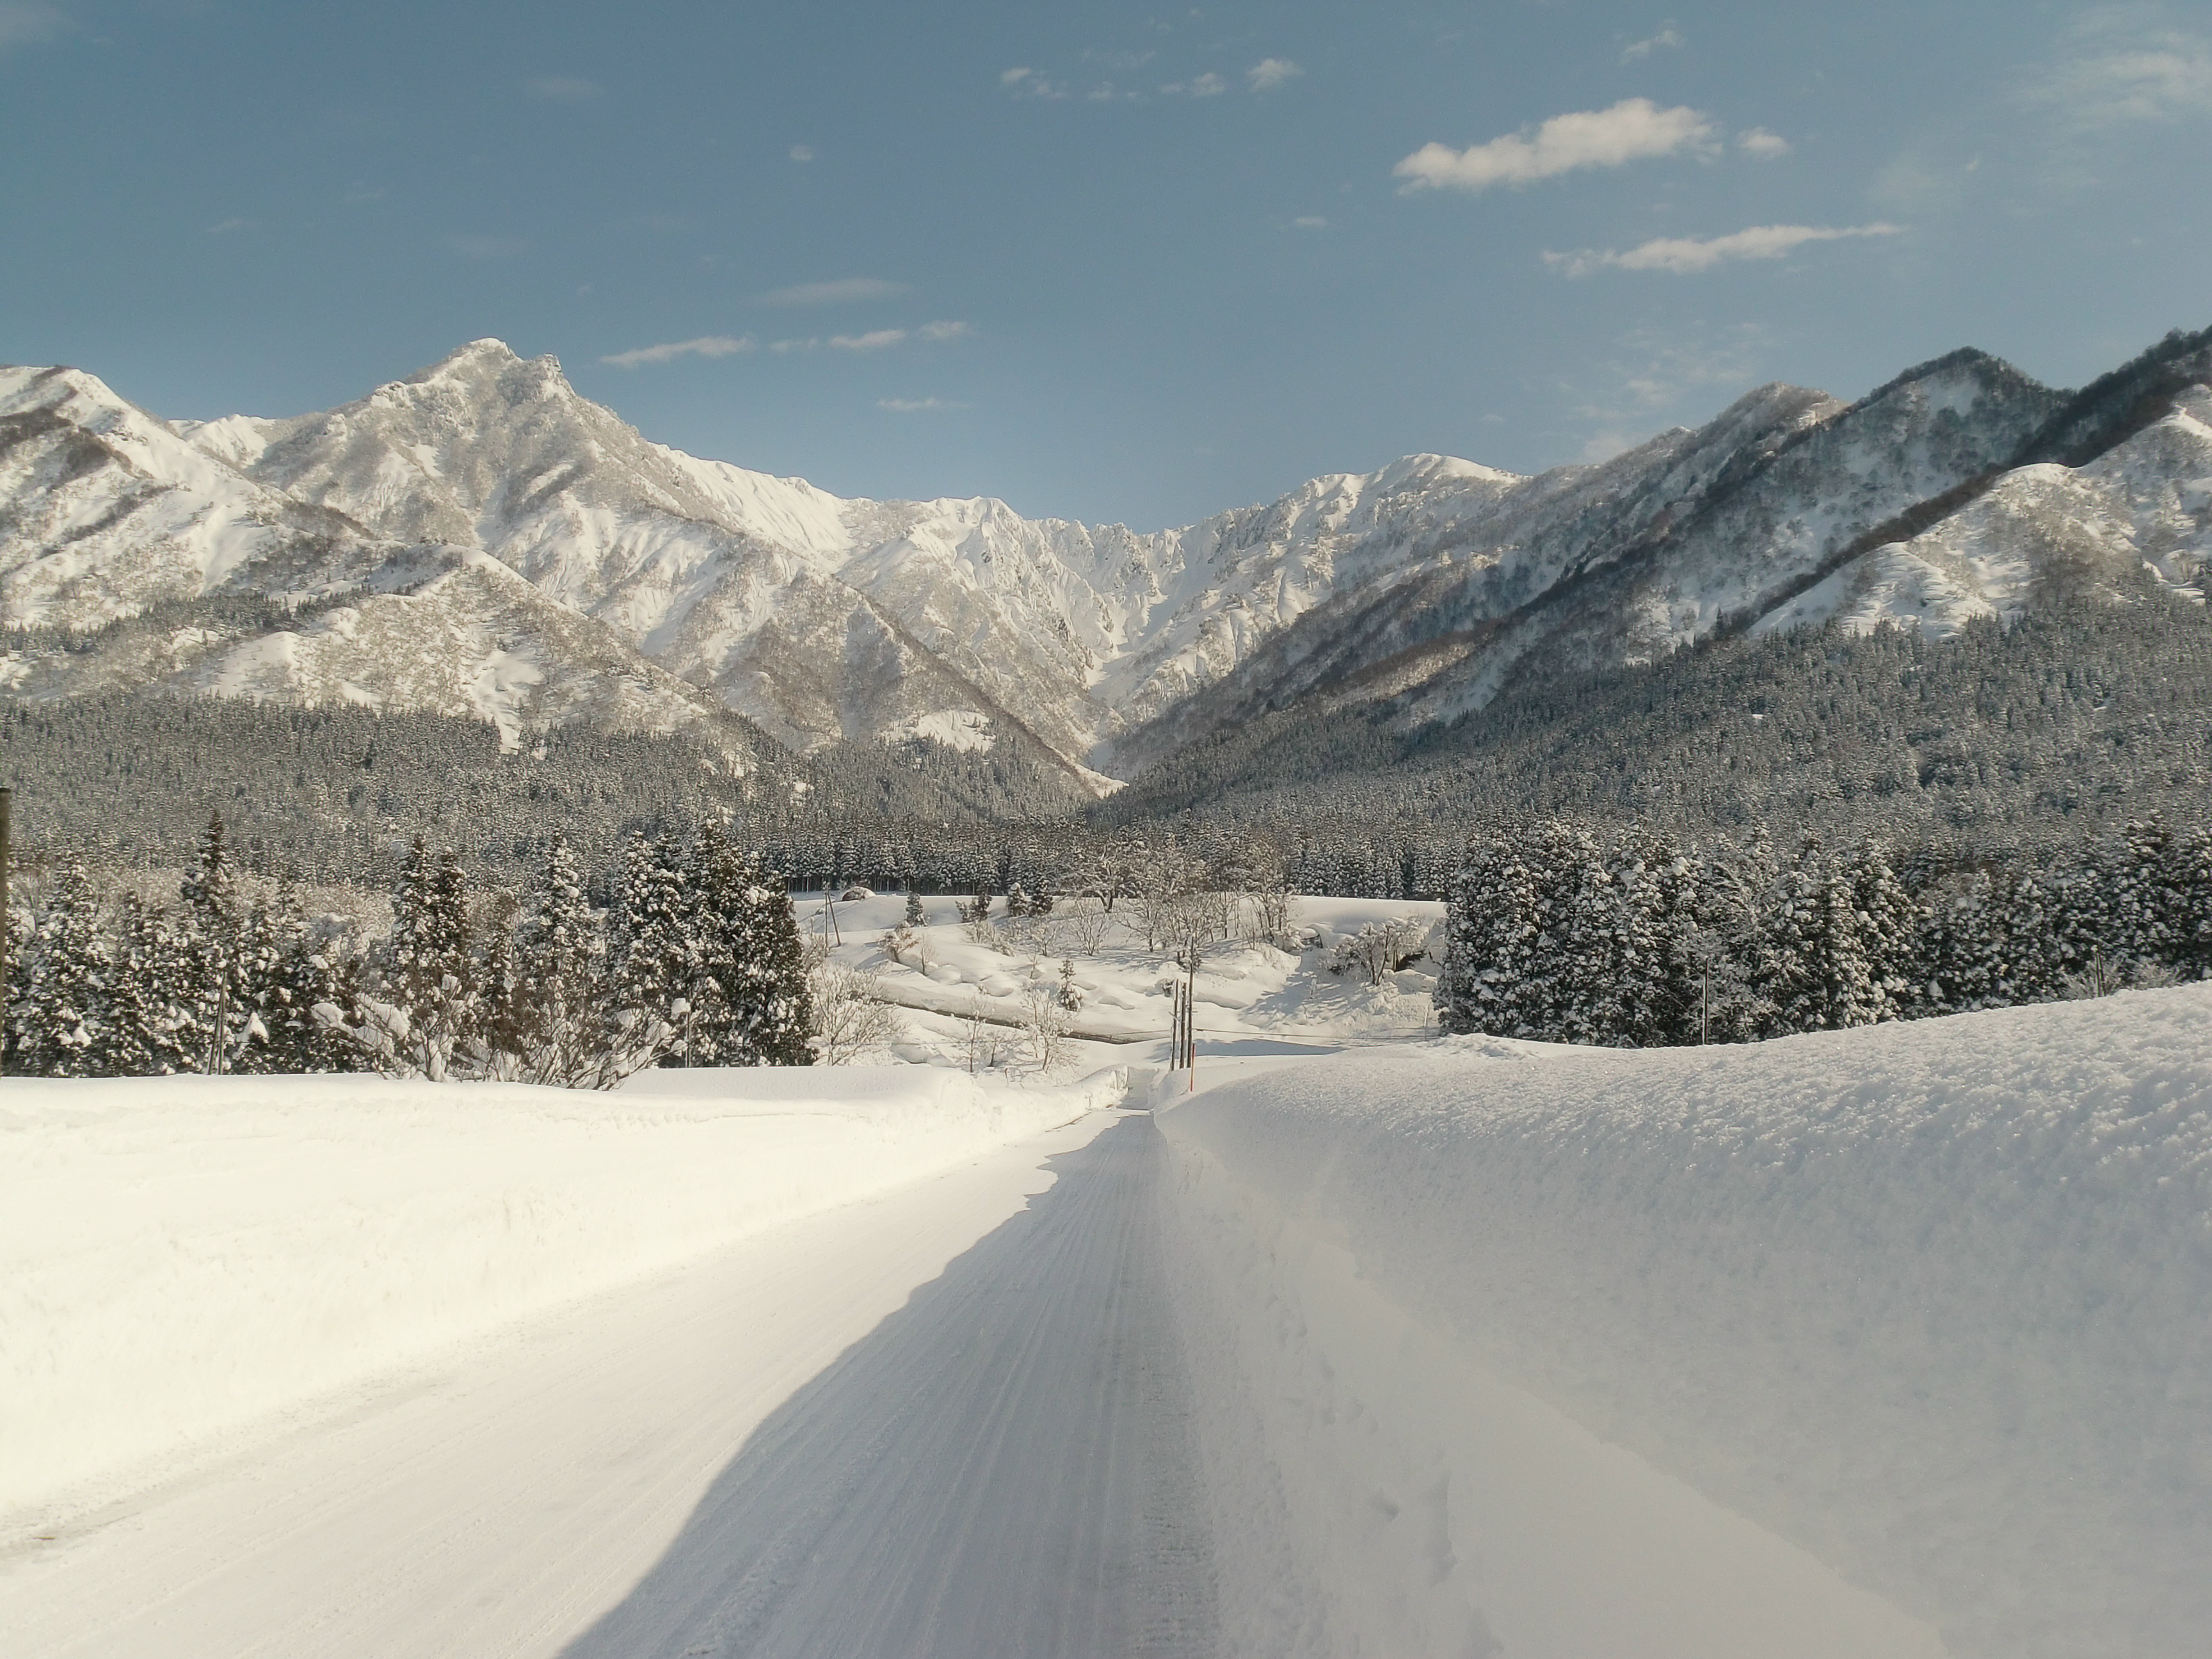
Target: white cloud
{"x": 706, "y": 346}
{"x": 1632, "y": 130}
{"x": 842, "y": 291}
{"x": 874, "y": 340}
{"x": 917, "y": 405}
{"x": 1272, "y": 72}
{"x": 945, "y": 330}
{"x": 802, "y": 152}
{"x": 1026, "y": 83}
{"x": 1667, "y": 38}
{"x": 1685, "y": 254}
{"x": 25, "y": 22}
{"x": 1767, "y": 146}
{"x": 227, "y": 226}
{"x": 1208, "y": 85}
{"x": 360, "y": 193}
{"x": 2111, "y": 74}
{"x": 487, "y": 247}
{"x": 1309, "y": 221}
{"x": 564, "y": 89}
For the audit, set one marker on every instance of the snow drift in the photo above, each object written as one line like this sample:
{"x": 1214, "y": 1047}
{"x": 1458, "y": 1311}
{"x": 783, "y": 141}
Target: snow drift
{"x": 1835, "y": 1344}
{"x": 181, "y": 1256}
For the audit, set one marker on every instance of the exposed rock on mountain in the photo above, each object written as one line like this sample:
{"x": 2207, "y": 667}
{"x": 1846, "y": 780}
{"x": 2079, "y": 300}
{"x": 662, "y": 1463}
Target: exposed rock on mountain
{"x": 478, "y": 538}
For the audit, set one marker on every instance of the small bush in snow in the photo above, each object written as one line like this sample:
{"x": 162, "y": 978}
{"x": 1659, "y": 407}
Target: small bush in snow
{"x": 1380, "y": 948}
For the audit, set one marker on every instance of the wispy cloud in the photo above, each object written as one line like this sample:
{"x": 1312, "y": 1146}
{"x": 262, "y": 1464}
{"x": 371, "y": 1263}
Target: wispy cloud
{"x": 880, "y": 339}
{"x": 27, "y": 22}
{"x": 564, "y": 89}
{"x": 223, "y": 227}
{"x": 487, "y": 247}
{"x": 1683, "y": 255}
{"x": 1272, "y": 72}
{"x": 1208, "y": 85}
{"x": 1767, "y": 146}
{"x": 2113, "y": 72}
{"x": 706, "y": 346}
{"x": 918, "y": 405}
{"x": 1025, "y": 82}
{"x": 842, "y": 291}
{"x": 1309, "y": 221}
{"x": 1668, "y": 39}
{"x": 802, "y": 152}
{"x": 360, "y": 193}
{"x": 1633, "y": 130}
{"x": 1653, "y": 375}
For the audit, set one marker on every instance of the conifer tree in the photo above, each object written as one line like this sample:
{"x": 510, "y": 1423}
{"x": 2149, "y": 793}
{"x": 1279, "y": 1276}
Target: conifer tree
{"x": 58, "y": 1009}
{"x": 206, "y": 982}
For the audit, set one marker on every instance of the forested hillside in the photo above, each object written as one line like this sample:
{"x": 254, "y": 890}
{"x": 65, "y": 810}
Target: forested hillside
{"x": 335, "y": 794}
{"x": 2078, "y": 716}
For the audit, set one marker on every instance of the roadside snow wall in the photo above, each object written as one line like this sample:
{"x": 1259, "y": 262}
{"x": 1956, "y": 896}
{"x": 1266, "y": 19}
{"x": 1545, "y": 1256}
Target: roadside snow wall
{"x": 179, "y": 1256}
{"x": 1880, "y": 1342}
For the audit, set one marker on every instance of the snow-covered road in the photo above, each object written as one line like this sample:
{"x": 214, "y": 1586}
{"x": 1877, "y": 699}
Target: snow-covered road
{"x": 775, "y": 1450}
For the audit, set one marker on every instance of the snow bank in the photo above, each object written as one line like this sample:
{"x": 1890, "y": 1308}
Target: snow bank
{"x": 180, "y": 1256}
{"x": 1810, "y": 1346}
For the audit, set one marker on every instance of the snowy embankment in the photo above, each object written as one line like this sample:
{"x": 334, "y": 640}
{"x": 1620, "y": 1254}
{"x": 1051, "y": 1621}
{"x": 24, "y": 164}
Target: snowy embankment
{"x": 182, "y": 1257}
{"x": 1879, "y": 1342}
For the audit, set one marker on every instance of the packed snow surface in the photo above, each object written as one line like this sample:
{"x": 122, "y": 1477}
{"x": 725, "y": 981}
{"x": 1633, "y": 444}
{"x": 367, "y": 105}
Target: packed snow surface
{"x": 1924, "y": 1304}
{"x": 1882, "y": 1344}
{"x": 182, "y": 1257}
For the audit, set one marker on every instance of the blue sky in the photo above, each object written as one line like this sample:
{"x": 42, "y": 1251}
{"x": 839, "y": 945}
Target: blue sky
{"x": 1107, "y": 261}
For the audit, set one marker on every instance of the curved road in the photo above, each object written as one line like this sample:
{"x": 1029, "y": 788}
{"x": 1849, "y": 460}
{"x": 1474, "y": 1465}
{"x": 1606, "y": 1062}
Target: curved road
{"x": 776, "y": 1452}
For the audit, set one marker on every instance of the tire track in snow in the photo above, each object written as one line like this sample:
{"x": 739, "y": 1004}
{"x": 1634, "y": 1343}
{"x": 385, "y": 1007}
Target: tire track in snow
{"x": 1004, "y": 1466}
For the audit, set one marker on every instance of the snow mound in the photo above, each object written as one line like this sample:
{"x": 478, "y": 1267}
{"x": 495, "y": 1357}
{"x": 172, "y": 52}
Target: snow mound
{"x": 1919, "y": 1311}
{"x": 183, "y": 1256}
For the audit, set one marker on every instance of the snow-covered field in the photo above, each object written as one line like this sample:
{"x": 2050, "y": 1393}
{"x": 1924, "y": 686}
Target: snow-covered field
{"x": 1825, "y": 1344}
{"x": 181, "y": 1257}
{"x": 1870, "y": 1345}
{"x": 1251, "y": 998}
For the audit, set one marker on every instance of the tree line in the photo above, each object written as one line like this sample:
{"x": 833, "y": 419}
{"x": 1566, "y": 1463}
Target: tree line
{"x": 1560, "y": 931}
{"x": 694, "y": 959}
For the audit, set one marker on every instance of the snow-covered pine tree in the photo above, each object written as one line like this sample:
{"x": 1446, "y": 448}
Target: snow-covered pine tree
{"x": 557, "y": 1028}
{"x": 427, "y": 967}
{"x": 212, "y": 924}
{"x": 1492, "y": 919}
{"x": 150, "y": 1032}
{"x": 1887, "y": 924}
{"x": 916, "y": 916}
{"x": 58, "y": 1006}
{"x": 654, "y": 953}
{"x": 771, "y": 1002}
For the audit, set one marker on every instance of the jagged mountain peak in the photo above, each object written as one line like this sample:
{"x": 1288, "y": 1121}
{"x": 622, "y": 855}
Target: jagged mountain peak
{"x": 1424, "y": 586}
{"x": 477, "y": 355}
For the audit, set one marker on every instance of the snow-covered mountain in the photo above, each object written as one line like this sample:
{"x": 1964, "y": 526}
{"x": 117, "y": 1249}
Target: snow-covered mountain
{"x": 478, "y": 538}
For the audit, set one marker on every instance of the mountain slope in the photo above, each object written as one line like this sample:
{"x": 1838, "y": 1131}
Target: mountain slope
{"x": 478, "y": 539}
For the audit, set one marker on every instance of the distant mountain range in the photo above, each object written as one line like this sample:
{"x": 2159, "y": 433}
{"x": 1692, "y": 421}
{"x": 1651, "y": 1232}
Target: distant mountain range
{"x": 477, "y": 539}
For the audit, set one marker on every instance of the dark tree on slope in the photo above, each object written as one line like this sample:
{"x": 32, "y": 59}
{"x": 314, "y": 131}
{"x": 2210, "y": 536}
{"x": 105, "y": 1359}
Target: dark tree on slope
{"x": 213, "y": 935}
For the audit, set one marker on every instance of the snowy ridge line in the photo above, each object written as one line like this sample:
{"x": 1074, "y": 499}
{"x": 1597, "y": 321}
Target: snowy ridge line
{"x": 1906, "y": 1324}
{"x": 185, "y": 1259}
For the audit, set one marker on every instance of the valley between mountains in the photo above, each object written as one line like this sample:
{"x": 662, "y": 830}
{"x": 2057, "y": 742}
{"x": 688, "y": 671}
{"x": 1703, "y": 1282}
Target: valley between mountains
{"x": 478, "y": 540}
